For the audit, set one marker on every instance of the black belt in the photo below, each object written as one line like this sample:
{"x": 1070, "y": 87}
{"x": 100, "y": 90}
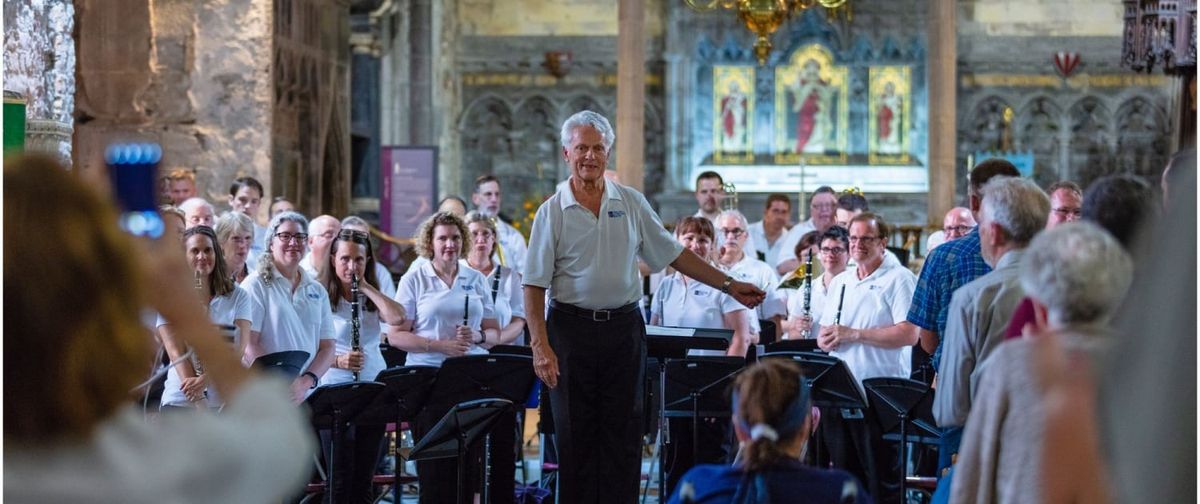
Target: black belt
{"x": 593, "y": 315}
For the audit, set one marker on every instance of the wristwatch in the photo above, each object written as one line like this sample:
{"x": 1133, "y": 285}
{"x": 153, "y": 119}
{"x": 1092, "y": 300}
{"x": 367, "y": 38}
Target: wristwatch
{"x": 725, "y": 285}
{"x": 314, "y": 378}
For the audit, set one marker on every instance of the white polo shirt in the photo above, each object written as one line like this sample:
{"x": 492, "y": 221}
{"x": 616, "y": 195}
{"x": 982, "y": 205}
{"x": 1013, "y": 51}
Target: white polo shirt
{"x": 591, "y": 261}
{"x": 787, "y": 244}
{"x": 437, "y": 309}
{"x": 758, "y": 236}
{"x": 223, "y": 310}
{"x": 763, "y": 276}
{"x": 879, "y": 300}
{"x": 513, "y": 244}
{"x": 509, "y": 299}
{"x": 259, "y": 244}
{"x": 368, "y": 342}
{"x": 384, "y": 277}
{"x": 692, "y": 304}
{"x": 817, "y": 301}
{"x": 292, "y": 320}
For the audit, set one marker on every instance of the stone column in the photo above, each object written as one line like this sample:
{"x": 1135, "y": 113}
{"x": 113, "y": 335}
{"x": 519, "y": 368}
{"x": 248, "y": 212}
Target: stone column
{"x": 631, "y": 92}
{"x": 943, "y": 87}
{"x": 420, "y": 107}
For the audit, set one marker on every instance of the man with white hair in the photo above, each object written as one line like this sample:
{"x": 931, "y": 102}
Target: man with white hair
{"x": 487, "y": 201}
{"x": 732, "y": 226}
{"x": 321, "y": 232}
{"x": 197, "y": 212}
{"x": 1013, "y": 211}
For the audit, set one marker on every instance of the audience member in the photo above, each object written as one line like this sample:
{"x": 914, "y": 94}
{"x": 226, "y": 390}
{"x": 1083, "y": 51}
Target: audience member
{"x": 174, "y": 222}
{"x": 235, "y": 232}
{"x": 772, "y": 422}
{"x": 1066, "y": 203}
{"x": 75, "y": 346}
{"x": 732, "y": 257}
{"x": 180, "y": 185}
{"x": 710, "y": 192}
{"x": 849, "y": 204}
{"x": 1077, "y": 275}
{"x": 280, "y": 205}
{"x": 245, "y": 196}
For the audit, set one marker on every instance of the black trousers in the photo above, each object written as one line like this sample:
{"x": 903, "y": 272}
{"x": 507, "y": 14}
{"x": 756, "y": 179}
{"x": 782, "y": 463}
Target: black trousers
{"x": 355, "y": 465}
{"x": 598, "y": 405}
{"x": 439, "y": 478}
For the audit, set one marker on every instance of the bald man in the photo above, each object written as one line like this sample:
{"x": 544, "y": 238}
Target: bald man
{"x": 956, "y": 224}
{"x": 321, "y": 232}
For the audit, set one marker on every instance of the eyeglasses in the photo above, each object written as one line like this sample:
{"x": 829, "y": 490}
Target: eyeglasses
{"x": 1068, "y": 212}
{"x": 823, "y": 206}
{"x": 353, "y": 235}
{"x": 735, "y": 232}
{"x": 863, "y": 239}
{"x": 957, "y": 229}
{"x": 833, "y": 251}
{"x": 287, "y": 237}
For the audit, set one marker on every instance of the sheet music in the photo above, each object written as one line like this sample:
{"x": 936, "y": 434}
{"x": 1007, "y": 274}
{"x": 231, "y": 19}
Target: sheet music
{"x": 652, "y": 330}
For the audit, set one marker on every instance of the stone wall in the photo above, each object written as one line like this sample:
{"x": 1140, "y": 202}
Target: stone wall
{"x": 192, "y": 76}
{"x": 550, "y": 18}
{"x": 39, "y": 64}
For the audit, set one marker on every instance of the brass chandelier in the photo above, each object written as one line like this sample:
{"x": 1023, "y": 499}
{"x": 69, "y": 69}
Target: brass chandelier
{"x": 763, "y": 17}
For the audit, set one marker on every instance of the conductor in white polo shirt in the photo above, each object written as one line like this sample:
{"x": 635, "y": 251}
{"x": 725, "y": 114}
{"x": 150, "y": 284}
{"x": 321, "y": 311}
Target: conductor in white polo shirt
{"x": 591, "y": 348}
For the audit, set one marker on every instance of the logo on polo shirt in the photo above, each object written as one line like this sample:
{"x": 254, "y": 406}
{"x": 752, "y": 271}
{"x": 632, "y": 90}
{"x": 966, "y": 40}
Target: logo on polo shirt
{"x": 313, "y": 293}
{"x": 616, "y": 213}
{"x": 468, "y": 287}
{"x": 700, "y": 292}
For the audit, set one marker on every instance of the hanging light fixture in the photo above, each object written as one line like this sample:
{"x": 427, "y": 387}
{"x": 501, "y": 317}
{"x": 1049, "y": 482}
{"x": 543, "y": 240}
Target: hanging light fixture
{"x": 763, "y": 17}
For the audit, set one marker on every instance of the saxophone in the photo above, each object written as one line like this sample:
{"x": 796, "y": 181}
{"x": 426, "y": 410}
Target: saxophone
{"x": 354, "y": 317}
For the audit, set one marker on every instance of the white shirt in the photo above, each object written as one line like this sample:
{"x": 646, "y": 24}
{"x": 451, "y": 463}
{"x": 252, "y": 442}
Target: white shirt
{"x": 258, "y": 450}
{"x": 787, "y": 244}
{"x": 221, "y": 310}
{"x": 693, "y": 304}
{"x": 259, "y": 244}
{"x": 291, "y": 320}
{"x": 307, "y": 264}
{"x": 437, "y": 309}
{"x": 512, "y": 242}
{"x": 509, "y": 299}
{"x": 368, "y": 342}
{"x": 591, "y": 261}
{"x": 758, "y": 236}
{"x": 879, "y": 300}
{"x": 384, "y": 276}
{"x": 761, "y": 275}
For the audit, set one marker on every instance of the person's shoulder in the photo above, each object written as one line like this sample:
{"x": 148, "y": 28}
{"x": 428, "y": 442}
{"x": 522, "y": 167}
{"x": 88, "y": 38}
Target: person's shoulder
{"x": 707, "y": 483}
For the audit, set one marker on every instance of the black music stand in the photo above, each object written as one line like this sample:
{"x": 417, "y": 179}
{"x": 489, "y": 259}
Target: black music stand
{"x": 511, "y": 350}
{"x": 333, "y": 407}
{"x": 287, "y": 363}
{"x": 794, "y": 345}
{"x": 664, "y": 343}
{"x": 457, "y": 431}
{"x": 832, "y": 384}
{"x": 698, "y": 386}
{"x": 491, "y": 376}
{"x": 405, "y": 391}
{"x": 899, "y": 403}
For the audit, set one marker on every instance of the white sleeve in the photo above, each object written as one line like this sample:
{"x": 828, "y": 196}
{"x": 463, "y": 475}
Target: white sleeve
{"x": 658, "y": 248}
{"x": 407, "y": 294}
{"x": 902, "y": 295}
{"x": 539, "y": 259}
{"x": 485, "y": 296}
{"x": 516, "y": 295}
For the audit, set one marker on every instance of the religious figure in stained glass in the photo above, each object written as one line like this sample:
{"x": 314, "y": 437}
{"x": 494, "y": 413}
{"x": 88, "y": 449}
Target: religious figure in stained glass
{"x": 733, "y": 107}
{"x": 811, "y": 108}
{"x": 890, "y": 114}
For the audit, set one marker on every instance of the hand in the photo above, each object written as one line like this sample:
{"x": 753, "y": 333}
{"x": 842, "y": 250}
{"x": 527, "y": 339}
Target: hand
{"x": 471, "y": 336}
{"x": 193, "y": 388}
{"x": 834, "y": 336}
{"x": 545, "y": 363}
{"x": 352, "y": 361}
{"x": 800, "y": 325}
{"x": 747, "y": 294}
{"x": 452, "y": 348}
{"x": 300, "y": 387}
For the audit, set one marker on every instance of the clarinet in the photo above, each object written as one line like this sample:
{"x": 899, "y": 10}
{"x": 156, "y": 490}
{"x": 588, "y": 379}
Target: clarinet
{"x": 354, "y": 317}
{"x": 196, "y": 360}
{"x": 808, "y": 296}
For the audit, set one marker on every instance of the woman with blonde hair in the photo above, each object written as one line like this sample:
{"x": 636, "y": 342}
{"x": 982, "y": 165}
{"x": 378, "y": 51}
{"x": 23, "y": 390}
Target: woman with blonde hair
{"x": 772, "y": 421}
{"x": 235, "y": 234}
{"x": 503, "y": 283}
{"x": 75, "y": 350}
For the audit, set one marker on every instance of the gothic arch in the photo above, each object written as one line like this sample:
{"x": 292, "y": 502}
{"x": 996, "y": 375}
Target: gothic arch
{"x": 1144, "y": 137}
{"x": 1092, "y": 139}
{"x": 989, "y": 126}
{"x": 1039, "y": 128}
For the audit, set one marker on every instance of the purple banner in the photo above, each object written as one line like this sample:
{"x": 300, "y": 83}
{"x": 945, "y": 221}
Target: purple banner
{"x": 409, "y": 188}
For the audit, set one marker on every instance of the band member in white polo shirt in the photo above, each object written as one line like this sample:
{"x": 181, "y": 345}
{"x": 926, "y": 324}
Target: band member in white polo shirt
{"x": 503, "y": 283}
{"x": 434, "y": 295}
{"x": 585, "y": 243}
{"x": 351, "y": 254}
{"x": 731, "y": 227}
{"x": 683, "y": 302}
{"x": 295, "y": 307}
{"x": 834, "y": 247}
{"x": 878, "y": 293}
{"x": 227, "y": 304}
{"x": 487, "y": 202}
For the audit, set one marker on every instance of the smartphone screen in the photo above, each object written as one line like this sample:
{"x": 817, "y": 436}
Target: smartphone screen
{"x": 133, "y": 169}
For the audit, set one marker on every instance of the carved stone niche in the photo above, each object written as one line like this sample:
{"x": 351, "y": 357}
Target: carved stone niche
{"x": 1091, "y": 141}
{"x": 1038, "y": 129}
{"x": 48, "y": 136}
{"x": 1142, "y": 141}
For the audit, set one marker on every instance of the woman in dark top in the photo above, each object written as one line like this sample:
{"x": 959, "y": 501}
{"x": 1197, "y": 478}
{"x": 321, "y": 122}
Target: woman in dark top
{"x": 771, "y": 418}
